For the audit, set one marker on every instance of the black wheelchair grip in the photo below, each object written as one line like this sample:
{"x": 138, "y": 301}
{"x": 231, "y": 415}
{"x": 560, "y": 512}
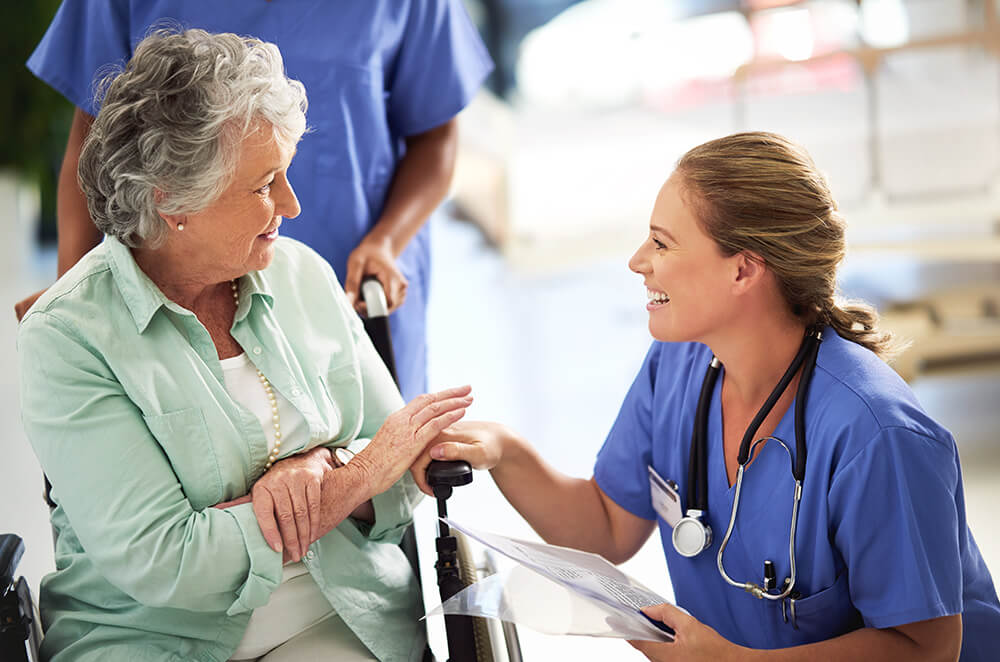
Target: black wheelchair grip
{"x": 11, "y": 551}
{"x": 452, "y": 474}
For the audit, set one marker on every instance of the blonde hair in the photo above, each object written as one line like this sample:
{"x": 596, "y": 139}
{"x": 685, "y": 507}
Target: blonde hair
{"x": 762, "y": 193}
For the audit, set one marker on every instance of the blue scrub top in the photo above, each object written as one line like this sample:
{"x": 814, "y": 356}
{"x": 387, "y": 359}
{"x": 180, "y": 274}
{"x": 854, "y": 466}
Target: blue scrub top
{"x": 882, "y": 538}
{"x": 375, "y": 72}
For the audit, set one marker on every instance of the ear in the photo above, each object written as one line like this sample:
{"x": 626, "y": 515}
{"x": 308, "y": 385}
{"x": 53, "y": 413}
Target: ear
{"x": 750, "y": 270}
{"x": 173, "y": 220}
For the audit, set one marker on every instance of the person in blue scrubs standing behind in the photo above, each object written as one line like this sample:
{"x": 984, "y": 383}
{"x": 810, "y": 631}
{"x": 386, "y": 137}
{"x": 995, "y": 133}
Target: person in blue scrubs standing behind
{"x": 740, "y": 263}
{"x": 385, "y": 78}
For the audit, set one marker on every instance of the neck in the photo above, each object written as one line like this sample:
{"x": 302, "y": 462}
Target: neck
{"x": 757, "y": 353}
{"x": 189, "y": 288}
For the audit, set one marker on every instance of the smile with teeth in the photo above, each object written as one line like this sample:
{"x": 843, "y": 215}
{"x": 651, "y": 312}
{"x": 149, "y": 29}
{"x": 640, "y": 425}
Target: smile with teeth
{"x": 657, "y": 298}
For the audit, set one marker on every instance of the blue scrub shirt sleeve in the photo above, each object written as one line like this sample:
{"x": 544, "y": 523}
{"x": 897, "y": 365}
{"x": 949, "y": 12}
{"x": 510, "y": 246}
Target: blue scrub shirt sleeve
{"x": 621, "y": 468}
{"x": 86, "y": 39}
{"x": 896, "y": 517}
{"x": 439, "y": 67}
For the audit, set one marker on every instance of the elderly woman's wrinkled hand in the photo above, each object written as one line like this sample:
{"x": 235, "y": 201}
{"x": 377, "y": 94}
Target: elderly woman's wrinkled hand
{"x": 287, "y": 501}
{"x": 407, "y": 432}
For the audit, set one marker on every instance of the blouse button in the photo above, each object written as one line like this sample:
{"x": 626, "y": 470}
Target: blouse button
{"x": 257, "y": 350}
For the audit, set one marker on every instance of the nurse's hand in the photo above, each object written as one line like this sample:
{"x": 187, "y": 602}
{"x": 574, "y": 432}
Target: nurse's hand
{"x": 480, "y": 443}
{"x": 374, "y": 257}
{"x": 693, "y": 641}
{"x": 21, "y": 307}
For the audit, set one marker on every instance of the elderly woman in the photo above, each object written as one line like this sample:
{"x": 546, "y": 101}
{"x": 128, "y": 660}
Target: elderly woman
{"x": 185, "y": 384}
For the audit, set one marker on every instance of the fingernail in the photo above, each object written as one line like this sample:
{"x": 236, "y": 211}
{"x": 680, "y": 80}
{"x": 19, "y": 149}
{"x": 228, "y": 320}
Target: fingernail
{"x": 437, "y": 453}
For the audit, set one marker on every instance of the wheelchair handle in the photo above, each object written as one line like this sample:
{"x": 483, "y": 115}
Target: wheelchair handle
{"x": 443, "y": 476}
{"x": 11, "y": 551}
{"x": 374, "y": 295}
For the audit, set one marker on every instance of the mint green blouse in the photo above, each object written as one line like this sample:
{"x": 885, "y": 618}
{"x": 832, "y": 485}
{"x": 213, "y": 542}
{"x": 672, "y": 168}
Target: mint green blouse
{"x": 124, "y": 402}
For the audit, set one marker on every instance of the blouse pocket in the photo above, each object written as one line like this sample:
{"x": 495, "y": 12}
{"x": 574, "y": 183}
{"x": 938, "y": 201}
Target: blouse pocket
{"x": 826, "y": 614}
{"x": 183, "y": 436}
{"x": 343, "y": 414}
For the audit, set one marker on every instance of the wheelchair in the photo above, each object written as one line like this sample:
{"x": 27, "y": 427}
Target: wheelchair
{"x": 469, "y": 639}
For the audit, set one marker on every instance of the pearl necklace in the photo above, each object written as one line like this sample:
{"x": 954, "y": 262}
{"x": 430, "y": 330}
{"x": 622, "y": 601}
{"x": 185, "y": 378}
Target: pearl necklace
{"x": 275, "y": 418}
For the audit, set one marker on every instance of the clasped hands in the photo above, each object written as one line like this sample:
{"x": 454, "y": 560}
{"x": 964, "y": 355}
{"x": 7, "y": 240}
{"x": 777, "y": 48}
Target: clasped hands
{"x": 303, "y": 497}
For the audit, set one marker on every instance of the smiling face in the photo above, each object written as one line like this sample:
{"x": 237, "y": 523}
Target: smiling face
{"x": 236, "y": 233}
{"x": 688, "y": 279}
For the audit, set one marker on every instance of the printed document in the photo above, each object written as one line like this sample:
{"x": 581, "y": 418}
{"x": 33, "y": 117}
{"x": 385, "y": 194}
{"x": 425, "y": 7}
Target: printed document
{"x": 604, "y": 600}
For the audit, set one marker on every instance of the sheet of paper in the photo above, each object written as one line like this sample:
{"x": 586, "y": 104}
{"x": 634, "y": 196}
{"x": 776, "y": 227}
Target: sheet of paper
{"x": 586, "y": 574}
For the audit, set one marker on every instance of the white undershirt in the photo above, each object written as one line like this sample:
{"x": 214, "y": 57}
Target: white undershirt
{"x": 297, "y": 603}
{"x": 245, "y": 388}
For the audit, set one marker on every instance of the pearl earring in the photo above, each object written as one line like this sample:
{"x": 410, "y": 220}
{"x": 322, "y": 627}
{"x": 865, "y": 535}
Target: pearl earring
{"x": 180, "y": 227}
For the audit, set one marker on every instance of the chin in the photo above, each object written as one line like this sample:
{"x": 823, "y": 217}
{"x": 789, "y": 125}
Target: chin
{"x": 262, "y": 260}
{"x": 665, "y": 333}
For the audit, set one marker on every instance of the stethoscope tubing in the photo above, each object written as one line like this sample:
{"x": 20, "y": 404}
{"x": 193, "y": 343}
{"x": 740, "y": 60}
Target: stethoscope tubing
{"x": 807, "y": 353}
{"x": 697, "y": 465}
{"x": 750, "y": 587}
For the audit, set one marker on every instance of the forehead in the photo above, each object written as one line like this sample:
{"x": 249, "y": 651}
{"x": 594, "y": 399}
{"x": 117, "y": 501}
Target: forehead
{"x": 673, "y": 211}
{"x": 262, "y": 151}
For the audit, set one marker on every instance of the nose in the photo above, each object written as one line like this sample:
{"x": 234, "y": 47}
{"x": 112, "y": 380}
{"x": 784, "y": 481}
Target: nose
{"x": 286, "y": 203}
{"x": 638, "y": 262}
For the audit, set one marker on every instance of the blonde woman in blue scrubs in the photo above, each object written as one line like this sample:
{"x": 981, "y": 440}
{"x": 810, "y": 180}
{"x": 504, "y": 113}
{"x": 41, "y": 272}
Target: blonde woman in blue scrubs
{"x": 196, "y": 385}
{"x": 740, "y": 264}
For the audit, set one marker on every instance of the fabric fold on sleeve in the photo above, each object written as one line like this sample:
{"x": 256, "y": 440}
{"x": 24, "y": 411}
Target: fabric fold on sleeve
{"x": 265, "y": 563}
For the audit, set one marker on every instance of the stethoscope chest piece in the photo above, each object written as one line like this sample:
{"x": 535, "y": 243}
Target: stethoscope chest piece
{"x": 691, "y": 536}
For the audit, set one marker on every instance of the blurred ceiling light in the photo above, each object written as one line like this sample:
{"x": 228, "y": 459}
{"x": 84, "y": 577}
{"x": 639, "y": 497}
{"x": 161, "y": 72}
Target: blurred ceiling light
{"x": 607, "y": 53}
{"x": 790, "y": 33}
{"x": 884, "y": 23}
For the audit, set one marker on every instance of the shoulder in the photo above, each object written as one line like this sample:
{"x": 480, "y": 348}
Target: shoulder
{"x": 668, "y": 375}
{"x": 83, "y": 291}
{"x": 294, "y": 260}
{"x": 302, "y": 281}
{"x": 673, "y": 364}
{"x": 856, "y": 394}
{"x": 80, "y": 312}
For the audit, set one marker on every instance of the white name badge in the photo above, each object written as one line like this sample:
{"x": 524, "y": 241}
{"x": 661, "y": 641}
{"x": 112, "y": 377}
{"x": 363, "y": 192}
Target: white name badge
{"x": 666, "y": 501}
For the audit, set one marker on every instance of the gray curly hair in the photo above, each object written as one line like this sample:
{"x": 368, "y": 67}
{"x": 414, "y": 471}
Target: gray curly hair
{"x": 167, "y": 137}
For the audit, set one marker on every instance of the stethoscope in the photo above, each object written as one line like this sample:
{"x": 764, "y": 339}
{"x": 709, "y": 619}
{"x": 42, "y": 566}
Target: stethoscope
{"x": 691, "y": 535}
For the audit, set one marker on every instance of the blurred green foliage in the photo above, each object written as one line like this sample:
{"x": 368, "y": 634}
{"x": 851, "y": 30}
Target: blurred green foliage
{"x": 35, "y": 119}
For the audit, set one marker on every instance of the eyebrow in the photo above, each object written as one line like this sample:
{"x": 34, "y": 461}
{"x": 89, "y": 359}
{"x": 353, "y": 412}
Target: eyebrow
{"x": 663, "y": 231}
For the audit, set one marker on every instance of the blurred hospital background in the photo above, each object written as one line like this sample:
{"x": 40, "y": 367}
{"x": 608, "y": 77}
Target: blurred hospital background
{"x": 591, "y": 103}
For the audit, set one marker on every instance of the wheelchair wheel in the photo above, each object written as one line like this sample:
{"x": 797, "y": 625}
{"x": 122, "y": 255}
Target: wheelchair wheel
{"x": 468, "y": 573}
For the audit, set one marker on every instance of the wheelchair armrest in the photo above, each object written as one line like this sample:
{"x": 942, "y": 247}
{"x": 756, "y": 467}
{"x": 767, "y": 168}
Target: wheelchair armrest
{"x": 11, "y": 551}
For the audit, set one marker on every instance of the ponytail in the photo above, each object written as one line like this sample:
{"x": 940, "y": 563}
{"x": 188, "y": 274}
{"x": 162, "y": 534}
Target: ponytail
{"x": 857, "y": 321}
